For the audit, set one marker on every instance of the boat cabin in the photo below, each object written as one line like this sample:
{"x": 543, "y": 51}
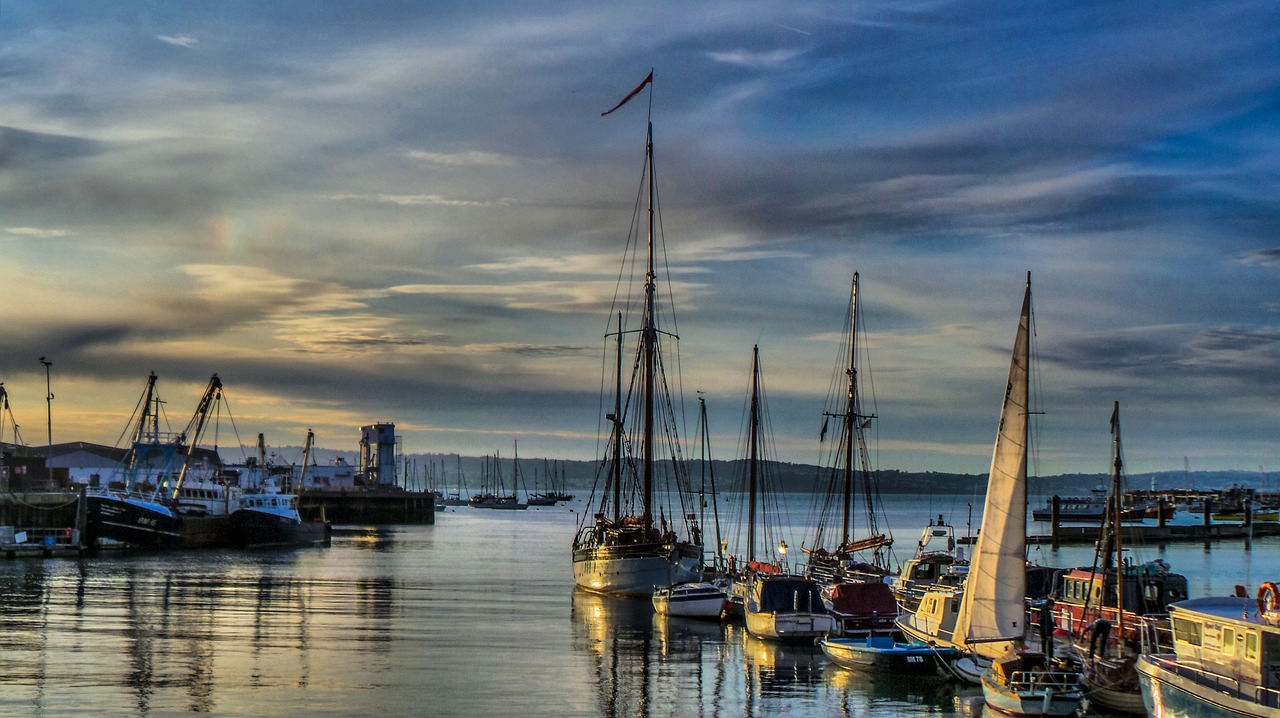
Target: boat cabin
{"x": 1085, "y": 596}
{"x": 1224, "y": 637}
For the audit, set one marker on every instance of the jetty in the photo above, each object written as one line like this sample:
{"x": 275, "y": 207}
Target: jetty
{"x": 1161, "y": 530}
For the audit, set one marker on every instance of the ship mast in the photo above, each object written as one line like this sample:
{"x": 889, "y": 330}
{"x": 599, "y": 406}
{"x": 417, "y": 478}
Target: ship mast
{"x": 649, "y": 343}
{"x": 850, "y": 419}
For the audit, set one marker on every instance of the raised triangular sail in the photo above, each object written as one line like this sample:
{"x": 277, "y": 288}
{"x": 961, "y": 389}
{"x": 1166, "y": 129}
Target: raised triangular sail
{"x": 991, "y": 619}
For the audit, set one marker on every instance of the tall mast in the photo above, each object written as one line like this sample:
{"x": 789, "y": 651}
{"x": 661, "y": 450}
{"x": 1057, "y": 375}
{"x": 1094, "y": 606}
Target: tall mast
{"x": 649, "y": 344}
{"x": 753, "y": 453}
{"x": 1116, "y": 505}
{"x": 850, "y": 416}
{"x": 616, "y": 417}
{"x": 709, "y": 471}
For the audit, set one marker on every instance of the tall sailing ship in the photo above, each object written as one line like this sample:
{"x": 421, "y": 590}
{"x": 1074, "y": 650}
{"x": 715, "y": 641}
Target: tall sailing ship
{"x": 621, "y": 547}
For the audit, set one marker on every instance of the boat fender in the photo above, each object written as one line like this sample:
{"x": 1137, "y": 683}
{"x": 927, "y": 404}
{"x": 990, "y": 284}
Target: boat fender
{"x": 1098, "y": 635}
{"x": 1269, "y": 601}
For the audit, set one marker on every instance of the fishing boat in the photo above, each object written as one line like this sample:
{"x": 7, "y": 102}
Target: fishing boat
{"x": 1225, "y": 659}
{"x": 690, "y": 600}
{"x": 849, "y": 559}
{"x": 1108, "y": 608}
{"x": 268, "y": 515}
{"x": 989, "y": 618}
{"x": 622, "y": 548}
{"x": 143, "y": 508}
{"x": 887, "y": 653}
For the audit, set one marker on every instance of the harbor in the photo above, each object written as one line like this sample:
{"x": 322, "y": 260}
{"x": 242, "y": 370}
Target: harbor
{"x": 400, "y": 619}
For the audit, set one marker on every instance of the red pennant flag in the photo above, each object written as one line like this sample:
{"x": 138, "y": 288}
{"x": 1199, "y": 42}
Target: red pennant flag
{"x": 634, "y": 92}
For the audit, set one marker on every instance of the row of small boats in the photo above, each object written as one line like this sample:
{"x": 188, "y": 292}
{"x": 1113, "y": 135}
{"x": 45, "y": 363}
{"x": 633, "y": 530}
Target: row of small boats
{"x": 1131, "y": 640}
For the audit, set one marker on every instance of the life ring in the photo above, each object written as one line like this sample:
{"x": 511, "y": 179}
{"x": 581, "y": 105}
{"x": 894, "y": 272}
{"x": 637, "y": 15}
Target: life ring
{"x": 1098, "y": 637}
{"x": 1268, "y": 600}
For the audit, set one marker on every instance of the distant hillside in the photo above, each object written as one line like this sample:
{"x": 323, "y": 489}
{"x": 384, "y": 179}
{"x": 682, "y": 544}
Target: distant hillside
{"x": 579, "y": 475}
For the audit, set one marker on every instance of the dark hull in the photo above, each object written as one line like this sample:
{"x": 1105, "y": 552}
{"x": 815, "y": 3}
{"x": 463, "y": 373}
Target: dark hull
{"x": 111, "y": 518}
{"x": 888, "y": 657}
{"x": 259, "y": 529}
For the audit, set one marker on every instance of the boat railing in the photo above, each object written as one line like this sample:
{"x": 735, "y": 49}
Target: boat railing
{"x": 1155, "y": 635}
{"x": 11, "y": 536}
{"x": 1225, "y": 685}
{"x": 1031, "y": 681}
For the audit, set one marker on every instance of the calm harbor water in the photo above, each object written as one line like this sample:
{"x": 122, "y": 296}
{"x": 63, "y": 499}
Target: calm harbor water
{"x": 475, "y": 616}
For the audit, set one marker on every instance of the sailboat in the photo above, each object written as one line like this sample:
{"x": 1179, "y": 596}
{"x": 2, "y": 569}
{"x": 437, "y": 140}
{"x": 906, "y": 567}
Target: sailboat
{"x": 1110, "y": 607}
{"x": 852, "y": 571}
{"x": 699, "y": 599}
{"x": 619, "y": 550}
{"x": 989, "y": 618}
{"x": 865, "y": 559}
{"x": 776, "y": 604}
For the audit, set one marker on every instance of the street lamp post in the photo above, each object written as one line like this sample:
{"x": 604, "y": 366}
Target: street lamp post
{"x": 48, "y": 388}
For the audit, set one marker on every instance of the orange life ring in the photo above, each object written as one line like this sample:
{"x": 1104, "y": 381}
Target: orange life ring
{"x": 1268, "y": 598}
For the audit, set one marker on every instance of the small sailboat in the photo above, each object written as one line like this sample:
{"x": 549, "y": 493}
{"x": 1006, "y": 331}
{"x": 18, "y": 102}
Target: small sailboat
{"x": 1110, "y": 607}
{"x": 619, "y": 549}
{"x": 699, "y": 599}
{"x": 776, "y": 604}
{"x": 992, "y": 615}
{"x": 986, "y": 617}
{"x": 852, "y": 480}
{"x": 458, "y": 497}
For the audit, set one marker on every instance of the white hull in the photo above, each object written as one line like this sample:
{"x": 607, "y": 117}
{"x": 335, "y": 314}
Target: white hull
{"x": 1030, "y": 699}
{"x": 789, "y": 626}
{"x": 635, "y": 575}
{"x": 702, "y": 600}
{"x": 1168, "y": 693}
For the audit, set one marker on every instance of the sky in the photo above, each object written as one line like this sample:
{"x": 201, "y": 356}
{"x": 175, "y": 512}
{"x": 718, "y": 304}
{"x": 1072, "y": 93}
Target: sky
{"x": 414, "y": 212}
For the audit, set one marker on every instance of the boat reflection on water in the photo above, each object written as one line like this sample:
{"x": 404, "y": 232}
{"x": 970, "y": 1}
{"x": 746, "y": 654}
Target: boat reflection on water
{"x": 890, "y": 693}
{"x": 645, "y": 664}
{"x": 776, "y": 672}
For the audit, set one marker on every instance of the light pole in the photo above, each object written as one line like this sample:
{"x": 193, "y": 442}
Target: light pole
{"x": 48, "y": 388}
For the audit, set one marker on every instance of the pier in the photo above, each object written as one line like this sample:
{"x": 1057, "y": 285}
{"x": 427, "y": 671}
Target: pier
{"x": 1161, "y": 530}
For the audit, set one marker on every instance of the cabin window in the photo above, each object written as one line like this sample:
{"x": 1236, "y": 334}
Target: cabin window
{"x": 1251, "y": 646}
{"x": 1187, "y": 631}
{"x": 1228, "y": 641}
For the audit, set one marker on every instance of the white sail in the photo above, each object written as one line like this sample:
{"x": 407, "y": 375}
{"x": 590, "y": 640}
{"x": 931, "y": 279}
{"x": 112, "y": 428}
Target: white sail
{"x": 992, "y": 614}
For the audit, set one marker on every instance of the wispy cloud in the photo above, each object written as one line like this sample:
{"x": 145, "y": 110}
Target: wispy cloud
{"x": 463, "y": 159}
{"x": 38, "y": 232}
{"x": 178, "y": 40}
{"x": 418, "y": 200}
{"x": 757, "y": 59}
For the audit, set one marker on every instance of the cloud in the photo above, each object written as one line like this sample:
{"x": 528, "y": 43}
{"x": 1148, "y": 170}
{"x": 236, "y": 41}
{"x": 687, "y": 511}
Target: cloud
{"x": 37, "y": 232}
{"x": 463, "y": 159}
{"x": 1268, "y": 257}
{"x": 178, "y": 40}
{"x": 757, "y": 59}
{"x": 418, "y": 200}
